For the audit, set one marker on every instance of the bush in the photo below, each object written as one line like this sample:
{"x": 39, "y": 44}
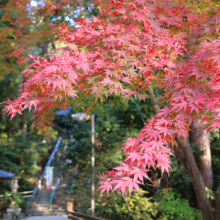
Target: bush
{"x": 137, "y": 207}
{"x": 169, "y": 205}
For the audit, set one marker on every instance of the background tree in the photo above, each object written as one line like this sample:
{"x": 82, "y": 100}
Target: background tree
{"x": 115, "y": 120}
{"x": 25, "y": 28}
{"x": 170, "y": 42}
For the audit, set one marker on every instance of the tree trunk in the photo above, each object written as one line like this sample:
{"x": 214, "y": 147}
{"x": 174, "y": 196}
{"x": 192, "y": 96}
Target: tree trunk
{"x": 153, "y": 100}
{"x": 200, "y": 139}
{"x": 45, "y": 47}
{"x": 53, "y": 45}
{"x": 186, "y": 157}
{"x": 196, "y": 178}
{"x": 217, "y": 202}
{"x": 153, "y": 176}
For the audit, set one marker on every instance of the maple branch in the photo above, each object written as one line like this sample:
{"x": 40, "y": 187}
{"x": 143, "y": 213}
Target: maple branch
{"x": 187, "y": 159}
{"x": 148, "y": 188}
{"x": 156, "y": 108}
{"x": 153, "y": 100}
{"x": 178, "y": 151}
{"x": 168, "y": 182}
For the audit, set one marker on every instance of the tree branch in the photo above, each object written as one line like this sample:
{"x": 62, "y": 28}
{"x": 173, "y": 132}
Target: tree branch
{"x": 187, "y": 159}
{"x": 153, "y": 100}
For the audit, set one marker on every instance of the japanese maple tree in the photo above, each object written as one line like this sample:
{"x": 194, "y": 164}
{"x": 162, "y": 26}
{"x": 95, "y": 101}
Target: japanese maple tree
{"x": 125, "y": 50}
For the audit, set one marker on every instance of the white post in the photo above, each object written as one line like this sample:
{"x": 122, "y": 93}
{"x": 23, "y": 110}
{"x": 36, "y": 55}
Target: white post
{"x": 93, "y": 166}
{"x": 39, "y": 184}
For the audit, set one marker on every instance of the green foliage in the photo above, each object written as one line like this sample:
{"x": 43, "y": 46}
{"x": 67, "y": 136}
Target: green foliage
{"x": 17, "y": 198}
{"x": 177, "y": 178}
{"x": 215, "y": 147}
{"x": 81, "y": 191}
{"x": 210, "y": 193}
{"x": 79, "y": 151}
{"x": 112, "y": 120}
{"x": 196, "y": 151}
{"x": 18, "y": 156}
{"x": 137, "y": 207}
{"x": 171, "y": 206}
{"x": 115, "y": 120}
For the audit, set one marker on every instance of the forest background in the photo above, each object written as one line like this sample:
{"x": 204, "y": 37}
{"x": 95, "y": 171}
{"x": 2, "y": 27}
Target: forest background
{"x": 31, "y": 28}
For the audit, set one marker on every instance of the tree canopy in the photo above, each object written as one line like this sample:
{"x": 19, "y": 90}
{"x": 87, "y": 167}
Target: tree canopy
{"x": 129, "y": 47}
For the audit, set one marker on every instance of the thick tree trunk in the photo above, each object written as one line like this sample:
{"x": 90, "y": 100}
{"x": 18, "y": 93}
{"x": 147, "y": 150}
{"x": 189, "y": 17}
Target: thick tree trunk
{"x": 217, "y": 202}
{"x": 186, "y": 157}
{"x": 196, "y": 178}
{"x": 200, "y": 139}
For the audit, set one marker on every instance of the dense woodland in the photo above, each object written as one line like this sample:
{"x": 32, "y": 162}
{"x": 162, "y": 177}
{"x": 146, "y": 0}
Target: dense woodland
{"x": 33, "y": 27}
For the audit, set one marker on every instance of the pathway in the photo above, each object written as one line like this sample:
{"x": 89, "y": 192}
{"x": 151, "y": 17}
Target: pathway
{"x": 40, "y": 207}
{"x": 46, "y": 218}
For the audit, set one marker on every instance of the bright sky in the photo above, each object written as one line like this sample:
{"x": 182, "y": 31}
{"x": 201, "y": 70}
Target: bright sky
{"x": 33, "y": 3}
